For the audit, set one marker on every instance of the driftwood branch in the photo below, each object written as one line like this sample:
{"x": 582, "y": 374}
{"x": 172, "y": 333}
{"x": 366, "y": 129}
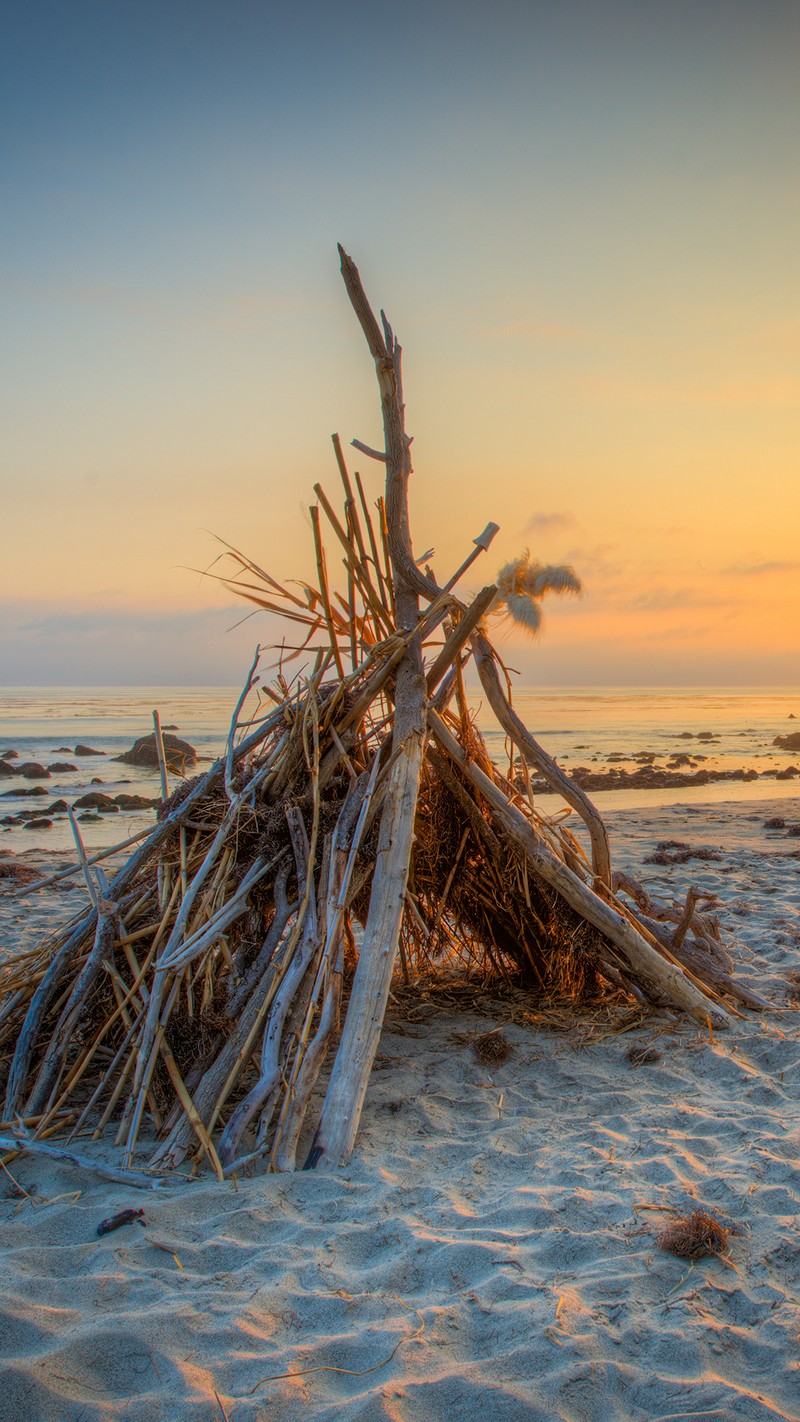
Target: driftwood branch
{"x": 663, "y": 980}
{"x": 81, "y": 1162}
{"x": 537, "y": 756}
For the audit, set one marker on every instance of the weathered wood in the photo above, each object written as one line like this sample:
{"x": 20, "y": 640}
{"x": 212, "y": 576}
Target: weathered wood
{"x": 257, "y": 1099}
{"x": 81, "y": 1162}
{"x": 387, "y": 356}
{"x": 350, "y": 827}
{"x": 460, "y": 635}
{"x": 108, "y": 925}
{"x": 662, "y": 981}
{"x": 537, "y": 755}
{"x": 344, "y": 1098}
{"x": 45, "y": 993}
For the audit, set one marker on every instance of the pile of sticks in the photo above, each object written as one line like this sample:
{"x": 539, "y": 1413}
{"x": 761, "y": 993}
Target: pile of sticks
{"x": 355, "y": 828}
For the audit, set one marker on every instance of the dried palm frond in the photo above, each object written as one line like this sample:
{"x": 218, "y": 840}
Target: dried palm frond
{"x": 522, "y": 583}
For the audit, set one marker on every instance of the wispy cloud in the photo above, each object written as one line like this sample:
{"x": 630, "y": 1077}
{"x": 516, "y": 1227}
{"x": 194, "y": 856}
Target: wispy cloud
{"x": 759, "y": 570}
{"x": 41, "y": 644}
{"x": 595, "y": 562}
{"x": 667, "y": 599}
{"x": 549, "y": 522}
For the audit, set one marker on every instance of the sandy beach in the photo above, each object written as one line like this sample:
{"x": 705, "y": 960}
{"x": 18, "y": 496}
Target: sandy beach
{"x": 492, "y": 1248}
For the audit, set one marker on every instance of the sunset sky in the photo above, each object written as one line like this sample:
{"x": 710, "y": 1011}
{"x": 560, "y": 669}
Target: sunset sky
{"x": 583, "y": 219}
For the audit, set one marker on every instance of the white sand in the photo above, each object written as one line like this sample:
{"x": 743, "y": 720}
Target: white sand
{"x": 491, "y": 1250}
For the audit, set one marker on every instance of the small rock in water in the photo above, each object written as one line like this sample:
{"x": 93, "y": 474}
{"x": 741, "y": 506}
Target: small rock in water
{"x": 180, "y": 756}
{"x": 39, "y": 824}
{"x": 60, "y": 767}
{"x": 87, "y": 750}
{"x": 775, "y": 823}
{"x": 10, "y": 755}
{"x": 32, "y": 770}
{"x": 90, "y": 818}
{"x": 790, "y": 742}
{"x": 58, "y": 807}
{"x": 5, "y": 769}
{"x": 95, "y": 801}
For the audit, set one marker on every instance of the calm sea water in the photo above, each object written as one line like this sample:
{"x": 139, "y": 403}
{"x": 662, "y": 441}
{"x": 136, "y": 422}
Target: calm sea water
{"x": 578, "y": 725}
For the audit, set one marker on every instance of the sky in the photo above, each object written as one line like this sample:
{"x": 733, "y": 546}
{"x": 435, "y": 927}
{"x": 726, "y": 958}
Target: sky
{"x": 583, "y": 220}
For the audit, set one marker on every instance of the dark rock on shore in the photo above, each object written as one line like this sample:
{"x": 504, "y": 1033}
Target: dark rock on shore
{"x": 136, "y": 802}
{"x": 91, "y": 818}
{"x": 790, "y": 742}
{"x": 646, "y": 777}
{"x": 60, "y": 767}
{"x": 788, "y": 774}
{"x": 38, "y": 824}
{"x": 58, "y": 807}
{"x": 777, "y": 822}
{"x": 87, "y": 750}
{"x": 25, "y": 794}
{"x": 180, "y": 756}
{"x": 5, "y": 769}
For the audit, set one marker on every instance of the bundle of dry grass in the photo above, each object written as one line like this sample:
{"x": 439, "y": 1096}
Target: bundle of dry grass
{"x": 202, "y": 993}
{"x": 695, "y": 1236}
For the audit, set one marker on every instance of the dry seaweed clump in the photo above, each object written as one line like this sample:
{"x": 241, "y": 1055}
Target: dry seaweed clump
{"x": 642, "y": 1056}
{"x": 223, "y": 997}
{"x": 491, "y": 1048}
{"x": 695, "y": 1236}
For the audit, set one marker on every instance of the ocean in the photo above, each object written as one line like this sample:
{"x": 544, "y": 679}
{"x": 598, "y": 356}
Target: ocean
{"x": 729, "y": 727}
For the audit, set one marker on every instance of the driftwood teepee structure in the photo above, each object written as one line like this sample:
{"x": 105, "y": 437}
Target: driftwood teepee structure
{"x": 202, "y": 993}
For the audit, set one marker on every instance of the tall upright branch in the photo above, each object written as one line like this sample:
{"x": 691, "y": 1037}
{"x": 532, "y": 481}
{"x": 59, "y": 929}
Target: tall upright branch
{"x": 344, "y": 1099}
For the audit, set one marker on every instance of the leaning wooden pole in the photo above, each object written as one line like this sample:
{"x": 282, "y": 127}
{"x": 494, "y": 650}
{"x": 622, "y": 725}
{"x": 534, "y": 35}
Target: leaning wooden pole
{"x": 537, "y": 756}
{"x": 344, "y": 1099}
{"x": 664, "y": 980}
